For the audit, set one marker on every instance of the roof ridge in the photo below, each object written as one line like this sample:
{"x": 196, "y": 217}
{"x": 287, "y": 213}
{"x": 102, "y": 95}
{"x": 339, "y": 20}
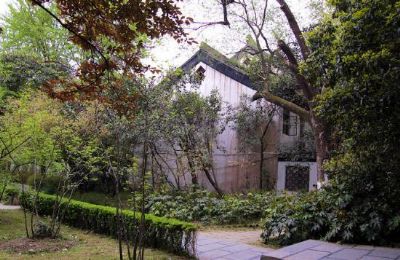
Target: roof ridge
{"x": 221, "y": 57}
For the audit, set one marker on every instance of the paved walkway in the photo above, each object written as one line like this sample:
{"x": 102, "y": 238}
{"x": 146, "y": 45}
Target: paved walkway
{"x": 314, "y": 249}
{"x": 242, "y": 245}
{"x": 7, "y": 207}
{"x": 234, "y": 245}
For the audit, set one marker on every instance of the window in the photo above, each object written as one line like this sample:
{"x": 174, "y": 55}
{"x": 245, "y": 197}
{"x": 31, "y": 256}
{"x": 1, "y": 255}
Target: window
{"x": 289, "y": 123}
{"x": 200, "y": 73}
{"x": 297, "y": 178}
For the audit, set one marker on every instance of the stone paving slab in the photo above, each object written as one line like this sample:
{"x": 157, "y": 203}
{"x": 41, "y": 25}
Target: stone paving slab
{"x": 8, "y": 207}
{"x": 229, "y": 245}
{"x": 314, "y": 249}
{"x": 238, "y": 245}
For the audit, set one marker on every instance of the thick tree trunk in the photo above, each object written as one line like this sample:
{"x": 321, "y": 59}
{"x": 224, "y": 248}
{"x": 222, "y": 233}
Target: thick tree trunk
{"x": 213, "y": 183}
{"x": 320, "y": 147}
{"x": 262, "y": 164}
{"x": 192, "y": 169}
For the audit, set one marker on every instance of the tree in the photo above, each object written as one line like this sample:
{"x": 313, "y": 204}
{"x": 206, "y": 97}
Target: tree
{"x": 356, "y": 59}
{"x": 196, "y": 126}
{"x": 254, "y": 14}
{"x": 29, "y": 31}
{"x": 34, "y": 50}
{"x": 19, "y": 72}
{"x": 252, "y": 123}
{"x": 116, "y": 34}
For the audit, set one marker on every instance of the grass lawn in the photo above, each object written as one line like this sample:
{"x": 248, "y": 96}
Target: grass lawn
{"x": 79, "y": 244}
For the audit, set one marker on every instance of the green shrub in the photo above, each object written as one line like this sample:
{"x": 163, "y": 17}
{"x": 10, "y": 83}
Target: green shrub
{"x": 170, "y": 234}
{"x": 49, "y": 183}
{"x": 11, "y": 194}
{"x": 41, "y": 230}
{"x": 332, "y": 214}
{"x": 206, "y": 207}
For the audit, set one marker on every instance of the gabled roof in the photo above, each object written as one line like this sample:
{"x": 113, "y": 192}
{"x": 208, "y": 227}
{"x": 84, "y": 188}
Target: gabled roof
{"x": 219, "y": 62}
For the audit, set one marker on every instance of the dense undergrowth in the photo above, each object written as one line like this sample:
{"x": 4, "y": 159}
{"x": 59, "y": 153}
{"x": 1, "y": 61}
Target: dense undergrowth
{"x": 334, "y": 214}
{"x": 206, "y": 207}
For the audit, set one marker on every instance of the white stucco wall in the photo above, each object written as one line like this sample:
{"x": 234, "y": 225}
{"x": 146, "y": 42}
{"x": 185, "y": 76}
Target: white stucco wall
{"x": 280, "y": 184}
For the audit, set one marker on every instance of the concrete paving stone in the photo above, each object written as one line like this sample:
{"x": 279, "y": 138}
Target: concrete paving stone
{"x": 279, "y": 254}
{"x": 206, "y": 241}
{"x": 366, "y": 247}
{"x": 263, "y": 250}
{"x": 244, "y": 255}
{"x": 209, "y": 247}
{"x": 213, "y": 254}
{"x": 237, "y": 248}
{"x": 392, "y": 253}
{"x": 367, "y": 257}
{"x": 330, "y": 258}
{"x": 296, "y": 248}
{"x": 308, "y": 254}
{"x": 227, "y": 242}
{"x": 349, "y": 253}
{"x": 309, "y": 243}
{"x": 328, "y": 247}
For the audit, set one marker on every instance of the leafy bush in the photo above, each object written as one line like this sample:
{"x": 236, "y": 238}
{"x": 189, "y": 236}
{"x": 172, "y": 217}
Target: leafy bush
{"x": 49, "y": 183}
{"x": 11, "y": 194}
{"x": 205, "y": 207}
{"x": 41, "y": 230}
{"x": 332, "y": 214}
{"x": 170, "y": 234}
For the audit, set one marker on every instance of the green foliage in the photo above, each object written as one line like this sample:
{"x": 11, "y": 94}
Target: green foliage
{"x": 11, "y": 194}
{"x": 281, "y": 84}
{"x": 252, "y": 123}
{"x": 47, "y": 142}
{"x": 20, "y": 72}
{"x": 203, "y": 206}
{"x": 161, "y": 232}
{"x": 34, "y": 50}
{"x": 28, "y": 29}
{"x": 29, "y": 125}
{"x": 49, "y": 183}
{"x": 356, "y": 59}
{"x": 330, "y": 214}
{"x": 42, "y": 230}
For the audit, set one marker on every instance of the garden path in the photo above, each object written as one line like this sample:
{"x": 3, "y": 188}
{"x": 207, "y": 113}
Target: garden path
{"x": 315, "y": 249}
{"x": 235, "y": 245}
{"x": 243, "y": 245}
{"x": 7, "y": 207}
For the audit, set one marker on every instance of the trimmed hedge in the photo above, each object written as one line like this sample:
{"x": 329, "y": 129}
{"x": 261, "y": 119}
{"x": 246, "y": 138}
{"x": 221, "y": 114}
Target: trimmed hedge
{"x": 165, "y": 233}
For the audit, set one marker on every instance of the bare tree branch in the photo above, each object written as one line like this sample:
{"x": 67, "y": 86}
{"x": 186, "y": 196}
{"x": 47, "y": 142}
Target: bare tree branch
{"x": 294, "y": 26}
{"x": 89, "y": 43}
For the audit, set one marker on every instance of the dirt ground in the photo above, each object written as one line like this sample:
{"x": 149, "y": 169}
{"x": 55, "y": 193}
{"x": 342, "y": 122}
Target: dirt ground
{"x": 26, "y": 245}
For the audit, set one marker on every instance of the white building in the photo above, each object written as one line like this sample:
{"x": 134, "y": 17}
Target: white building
{"x": 236, "y": 171}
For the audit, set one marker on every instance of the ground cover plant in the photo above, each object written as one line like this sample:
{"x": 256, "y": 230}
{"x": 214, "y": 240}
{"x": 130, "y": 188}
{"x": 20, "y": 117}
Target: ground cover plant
{"x": 74, "y": 244}
{"x": 208, "y": 208}
{"x": 334, "y": 214}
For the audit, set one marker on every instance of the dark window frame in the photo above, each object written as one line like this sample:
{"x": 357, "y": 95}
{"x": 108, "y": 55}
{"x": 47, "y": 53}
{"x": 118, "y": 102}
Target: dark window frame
{"x": 298, "y": 171}
{"x": 289, "y": 123}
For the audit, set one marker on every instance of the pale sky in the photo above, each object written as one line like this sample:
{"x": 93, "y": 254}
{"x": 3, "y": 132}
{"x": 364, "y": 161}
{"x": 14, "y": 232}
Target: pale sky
{"x": 168, "y": 53}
